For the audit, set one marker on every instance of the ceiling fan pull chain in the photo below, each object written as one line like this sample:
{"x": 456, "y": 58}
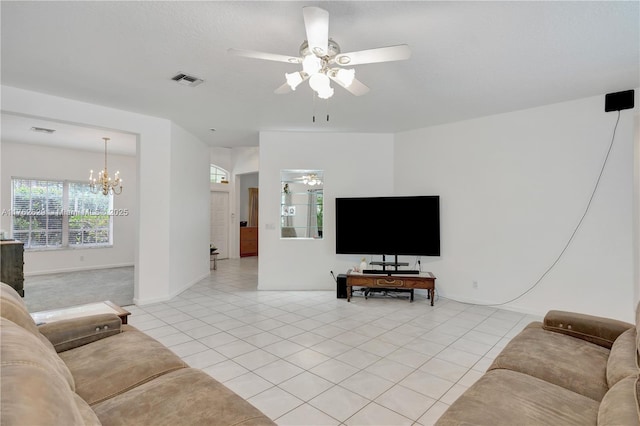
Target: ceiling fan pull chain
{"x": 327, "y": 110}
{"x": 313, "y": 96}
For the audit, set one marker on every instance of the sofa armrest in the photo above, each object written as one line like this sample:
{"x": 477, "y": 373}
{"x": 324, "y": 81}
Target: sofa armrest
{"x": 598, "y": 330}
{"x": 74, "y": 332}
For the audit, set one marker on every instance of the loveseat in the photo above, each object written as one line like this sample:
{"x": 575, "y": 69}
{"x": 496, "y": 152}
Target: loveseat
{"x": 95, "y": 370}
{"x": 571, "y": 369}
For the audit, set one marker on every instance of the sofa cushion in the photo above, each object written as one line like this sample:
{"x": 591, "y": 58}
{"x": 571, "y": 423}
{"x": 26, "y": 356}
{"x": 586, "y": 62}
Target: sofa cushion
{"x": 115, "y": 364}
{"x": 623, "y": 358}
{"x": 620, "y": 405}
{"x": 35, "y": 387}
{"x": 566, "y": 361}
{"x": 183, "y": 397}
{"x": 599, "y": 330}
{"x": 12, "y": 307}
{"x": 74, "y": 332}
{"x": 505, "y": 397}
{"x": 89, "y": 417}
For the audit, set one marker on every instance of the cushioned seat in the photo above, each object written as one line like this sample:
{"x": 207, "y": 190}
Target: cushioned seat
{"x": 203, "y": 399}
{"x": 504, "y": 397}
{"x": 572, "y": 369}
{"x": 572, "y": 363}
{"x": 111, "y": 366}
{"x": 36, "y": 388}
{"x": 93, "y": 370}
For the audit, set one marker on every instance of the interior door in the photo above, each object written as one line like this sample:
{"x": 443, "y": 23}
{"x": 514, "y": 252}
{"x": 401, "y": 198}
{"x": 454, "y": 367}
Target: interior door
{"x": 220, "y": 222}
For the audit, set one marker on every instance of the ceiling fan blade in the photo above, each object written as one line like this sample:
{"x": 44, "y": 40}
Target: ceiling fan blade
{"x": 370, "y": 56}
{"x": 263, "y": 55}
{"x": 356, "y": 87}
{"x": 316, "y": 22}
{"x": 283, "y": 90}
{"x": 286, "y": 88}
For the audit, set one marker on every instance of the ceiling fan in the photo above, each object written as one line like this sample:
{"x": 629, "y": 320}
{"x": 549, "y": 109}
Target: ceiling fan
{"x": 322, "y": 60}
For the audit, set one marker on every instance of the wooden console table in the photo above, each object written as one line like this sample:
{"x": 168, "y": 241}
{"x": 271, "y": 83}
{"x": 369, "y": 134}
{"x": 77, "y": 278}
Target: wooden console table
{"x": 424, "y": 280}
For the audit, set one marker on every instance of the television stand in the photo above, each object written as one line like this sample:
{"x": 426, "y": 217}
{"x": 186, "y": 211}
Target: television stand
{"x": 388, "y": 272}
{"x": 424, "y": 280}
{"x": 394, "y": 265}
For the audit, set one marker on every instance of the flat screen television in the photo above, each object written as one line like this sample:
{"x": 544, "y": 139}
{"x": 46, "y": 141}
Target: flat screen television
{"x": 403, "y": 225}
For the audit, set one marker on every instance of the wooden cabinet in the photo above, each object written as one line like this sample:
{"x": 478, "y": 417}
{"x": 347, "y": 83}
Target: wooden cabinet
{"x": 248, "y": 241}
{"x": 424, "y": 280}
{"x": 12, "y": 264}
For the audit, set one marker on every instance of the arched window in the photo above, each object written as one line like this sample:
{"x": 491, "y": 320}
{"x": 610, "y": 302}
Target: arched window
{"x": 219, "y": 175}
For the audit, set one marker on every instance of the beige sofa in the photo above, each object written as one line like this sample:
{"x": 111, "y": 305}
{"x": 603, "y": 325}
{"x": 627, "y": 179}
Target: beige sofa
{"x": 94, "y": 370}
{"x": 571, "y": 369}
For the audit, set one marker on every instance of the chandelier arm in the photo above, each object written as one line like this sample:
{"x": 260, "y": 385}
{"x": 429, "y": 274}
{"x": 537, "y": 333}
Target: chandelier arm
{"x": 106, "y": 185}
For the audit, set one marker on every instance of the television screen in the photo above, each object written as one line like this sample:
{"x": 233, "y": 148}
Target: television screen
{"x": 388, "y": 225}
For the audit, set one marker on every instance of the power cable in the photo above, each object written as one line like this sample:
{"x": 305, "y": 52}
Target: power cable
{"x": 573, "y": 234}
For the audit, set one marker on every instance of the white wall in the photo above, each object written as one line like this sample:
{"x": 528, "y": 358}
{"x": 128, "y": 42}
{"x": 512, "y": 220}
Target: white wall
{"x": 154, "y": 221}
{"x": 513, "y": 188}
{"x": 636, "y": 198}
{"x": 354, "y": 164}
{"x": 190, "y": 211}
{"x": 33, "y": 161}
{"x": 221, "y": 157}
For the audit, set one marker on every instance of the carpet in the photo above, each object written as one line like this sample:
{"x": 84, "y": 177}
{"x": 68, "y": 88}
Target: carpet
{"x": 54, "y": 291}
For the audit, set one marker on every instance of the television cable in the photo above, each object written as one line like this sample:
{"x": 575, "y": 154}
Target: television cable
{"x": 573, "y": 234}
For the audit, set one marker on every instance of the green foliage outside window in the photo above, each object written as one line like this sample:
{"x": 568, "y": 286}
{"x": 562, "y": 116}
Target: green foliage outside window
{"x": 42, "y": 220}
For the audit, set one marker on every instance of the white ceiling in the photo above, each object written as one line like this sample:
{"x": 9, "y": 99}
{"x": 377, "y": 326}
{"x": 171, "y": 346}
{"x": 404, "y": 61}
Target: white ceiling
{"x": 17, "y": 129}
{"x": 469, "y": 59}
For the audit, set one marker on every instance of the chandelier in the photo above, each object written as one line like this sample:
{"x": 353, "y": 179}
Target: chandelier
{"x": 311, "y": 180}
{"x": 317, "y": 70}
{"x": 104, "y": 183}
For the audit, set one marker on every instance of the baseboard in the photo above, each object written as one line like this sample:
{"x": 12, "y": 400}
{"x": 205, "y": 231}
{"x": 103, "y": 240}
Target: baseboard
{"x": 490, "y": 304}
{"x": 83, "y": 268}
{"x": 143, "y": 302}
{"x": 189, "y": 285}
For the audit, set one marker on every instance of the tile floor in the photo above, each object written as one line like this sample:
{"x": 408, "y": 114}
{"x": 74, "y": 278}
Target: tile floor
{"x": 308, "y": 358}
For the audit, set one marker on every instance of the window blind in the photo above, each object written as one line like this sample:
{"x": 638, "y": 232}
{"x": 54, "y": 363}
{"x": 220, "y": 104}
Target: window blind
{"x": 58, "y": 214}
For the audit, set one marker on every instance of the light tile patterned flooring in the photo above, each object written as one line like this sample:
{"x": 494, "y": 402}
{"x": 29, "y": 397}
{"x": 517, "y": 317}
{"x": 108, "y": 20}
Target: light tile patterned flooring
{"x": 308, "y": 358}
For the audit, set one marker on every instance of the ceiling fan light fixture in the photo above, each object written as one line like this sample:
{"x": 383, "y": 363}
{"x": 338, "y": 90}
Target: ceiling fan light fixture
{"x": 345, "y": 76}
{"x": 311, "y": 64}
{"x": 294, "y": 79}
{"x": 325, "y": 93}
{"x": 319, "y": 53}
{"x": 319, "y": 82}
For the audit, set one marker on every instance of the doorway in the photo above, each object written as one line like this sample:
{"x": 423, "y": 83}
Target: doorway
{"x": 220, "y": 222}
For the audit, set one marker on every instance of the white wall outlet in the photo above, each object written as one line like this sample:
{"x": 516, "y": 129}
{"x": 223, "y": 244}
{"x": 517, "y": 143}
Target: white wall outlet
{"x": 81, "y": 258}
{"x": 474, "y": 284}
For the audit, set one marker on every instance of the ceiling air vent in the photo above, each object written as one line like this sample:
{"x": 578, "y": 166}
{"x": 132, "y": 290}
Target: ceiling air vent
{"x": 42, "y": 130}
{"x": 187, "y": 80}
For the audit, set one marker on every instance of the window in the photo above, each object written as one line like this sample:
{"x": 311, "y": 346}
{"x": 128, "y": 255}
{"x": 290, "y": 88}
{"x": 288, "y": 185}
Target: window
{"x": 36, "y": 205}
{"x": 219, "y": 175}
{"x": 88, "y": 214}
{"x": 60, "y": 214}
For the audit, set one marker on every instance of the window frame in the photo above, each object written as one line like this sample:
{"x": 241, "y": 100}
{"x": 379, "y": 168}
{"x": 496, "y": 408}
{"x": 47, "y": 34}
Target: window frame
{"x": 217, "y": 174}
{"x": 66, "y": 229}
